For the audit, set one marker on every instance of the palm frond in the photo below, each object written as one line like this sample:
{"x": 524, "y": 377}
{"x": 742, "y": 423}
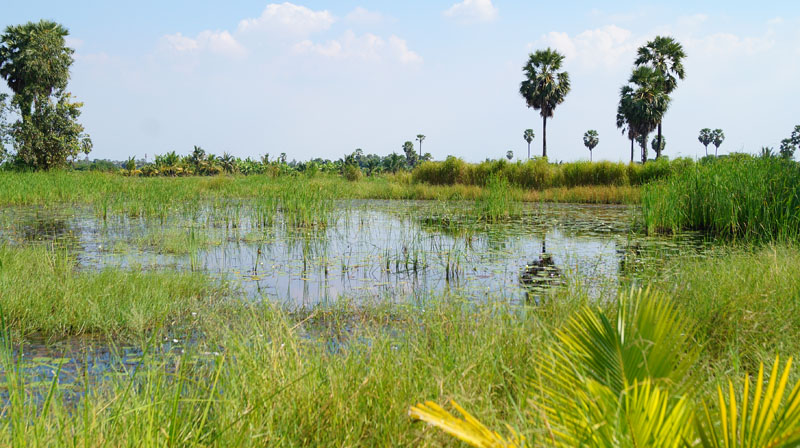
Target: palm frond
{"x": 468, "y": 429}
{"x": 767, "y": 421}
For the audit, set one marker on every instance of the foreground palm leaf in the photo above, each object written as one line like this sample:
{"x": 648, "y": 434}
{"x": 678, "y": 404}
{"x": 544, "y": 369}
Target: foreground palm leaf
{"x": 468, "y": 429}
{"x": 622, "y": 381}
{"x": 767, "y": 422}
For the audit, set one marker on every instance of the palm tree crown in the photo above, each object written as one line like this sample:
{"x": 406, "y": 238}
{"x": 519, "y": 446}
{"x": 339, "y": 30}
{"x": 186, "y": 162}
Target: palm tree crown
{"x": 528, "y": 135}
{"x": 664, "y": 55}
{"x": 544, "y": 87}
{"x": 590, "y": 140}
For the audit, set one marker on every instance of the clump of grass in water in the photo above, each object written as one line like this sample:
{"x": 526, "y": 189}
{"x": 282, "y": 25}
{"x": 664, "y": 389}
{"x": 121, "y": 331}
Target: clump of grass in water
{"x": 42, "y": 292}
{"x": 735, "y": 198}
{"x": 498, "y": 202}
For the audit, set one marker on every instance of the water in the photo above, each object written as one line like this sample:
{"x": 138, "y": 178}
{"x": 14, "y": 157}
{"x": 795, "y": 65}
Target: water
{"x": 369, "y": 250}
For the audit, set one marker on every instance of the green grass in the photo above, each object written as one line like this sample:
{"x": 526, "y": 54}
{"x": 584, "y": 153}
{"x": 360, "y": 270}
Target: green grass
{"x": 43, "y": 291}
{"x": 345, "y": 374}
{"x": 538, "y": 174}
{"x": 737, "y": 198}
{"x": 160, "y": 197}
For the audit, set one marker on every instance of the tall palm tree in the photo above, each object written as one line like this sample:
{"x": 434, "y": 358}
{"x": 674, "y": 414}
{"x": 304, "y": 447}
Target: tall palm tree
{"x": 509, "y": 155}
{"x": 420, "y": 138}
{"x": 528, "y": 136}
{"x": 544, "y": 87}
{"x": 706, "y": 137}
{"x": 654, "y": 144}
{"x": 665, "y": 55}
{"x": 643, "y": 104}
{"x": 590, "y": 140}
{"x": 719, "y": 137}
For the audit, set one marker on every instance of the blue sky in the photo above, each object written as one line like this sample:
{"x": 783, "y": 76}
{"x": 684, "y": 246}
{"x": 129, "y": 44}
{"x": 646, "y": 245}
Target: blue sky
{"x": 319, "y": 79}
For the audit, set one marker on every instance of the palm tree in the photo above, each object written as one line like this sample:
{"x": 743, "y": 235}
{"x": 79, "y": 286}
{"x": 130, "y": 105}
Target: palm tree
{"x": 509, "y": 155}
{"x": 654, "y": 144}
{"x": 718, "y": 138}
{"x": 590, "y": 140}
{"x": 665, "y": 55}
{"x": 544, "y": 86}
{"x": 706, "y": 137}
{"x": 420, "y": 138}
{"x": 787, "y": 148}
{"x": 411, "y": 156}
{"x": 646, "y": 104}
{"x": 528, "y": 136}
{"x": 624, "y": 111}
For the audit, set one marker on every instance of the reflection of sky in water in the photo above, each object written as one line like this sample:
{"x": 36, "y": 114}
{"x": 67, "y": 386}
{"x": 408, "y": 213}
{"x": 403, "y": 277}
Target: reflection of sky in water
{"x": 370, "y": 250}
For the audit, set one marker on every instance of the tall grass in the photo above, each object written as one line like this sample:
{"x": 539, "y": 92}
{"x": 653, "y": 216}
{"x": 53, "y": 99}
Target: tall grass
{"x": 734, "y": 198}
{"x": 344, "y": 375}
{"x": 44, "y": 292}
{"x": 159, "y": 196}
{"x": 538, "y": 174}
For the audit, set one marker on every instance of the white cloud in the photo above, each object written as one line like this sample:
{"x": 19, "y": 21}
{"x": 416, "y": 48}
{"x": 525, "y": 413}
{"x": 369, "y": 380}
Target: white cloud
{"x": 471, "y": 11}
{"x": 367, "y": 47}
{"x": 290, "y": 19}
{"x": 216, "y": 42}
{"x": 609, "y": 46}
{"x": 727, "y": 44}
{"x": 363, "y": 16}
{"x": 693, "y": 21}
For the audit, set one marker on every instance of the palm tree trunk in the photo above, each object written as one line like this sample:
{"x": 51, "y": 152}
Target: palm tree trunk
{"x": 544, "y": 136}
{"x": 706, "y": 150}
{"x": 631, "y": 149}
{"x": 590, "y": 155}
{"x": 644, "y": 150}
{"x": 529, "y": 150}
{"x": 658, "y": 148}
{"x": 420, "y": 150}
{"x": 715, "y": 150}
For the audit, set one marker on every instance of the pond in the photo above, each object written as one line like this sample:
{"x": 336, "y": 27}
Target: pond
{"x": 398, "y": 251}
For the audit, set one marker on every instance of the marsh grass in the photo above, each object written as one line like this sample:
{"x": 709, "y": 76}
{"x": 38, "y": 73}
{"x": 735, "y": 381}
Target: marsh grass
{"x": 44, "y": 292}
{"x": 737, "y": 198}
{"x": 344, "y": 374}
{"x": 287, "y": 380}
{"x": 161, "y": 197}
{"x": 539, "y": 174}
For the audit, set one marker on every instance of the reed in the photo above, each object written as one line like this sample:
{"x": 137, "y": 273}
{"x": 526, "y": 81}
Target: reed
{"x": 736, "y": 198}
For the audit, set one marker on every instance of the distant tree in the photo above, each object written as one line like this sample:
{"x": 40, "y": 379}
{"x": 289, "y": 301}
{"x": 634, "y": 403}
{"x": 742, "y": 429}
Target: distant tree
{"x": 35, "y": 62}
{"x": 665, "y": 55}
{"x": 420, "y": 139}
{"x": 393, "y": 162}
{"x": 411, "y": 155}
{"x": 654, "y": 144}
{"x": 646, "y": 104}
{"x": 718, "y": 138}
{"x": 767, "y": 152}
{"x": 706, "y": 137}
{"x": 590, "y": 140}
{"x": 544, "y": 86}
{"x": 528, "y": 136}
{"x": 787, "y": 149}
{"x": 228, "y": 163}
{"x": 427, "y": 157}
{"x": 282, "y": 158}
{"x": 796, "y": 136}
{"x": 509, "y": 155}
{"x": 198, "y": 156}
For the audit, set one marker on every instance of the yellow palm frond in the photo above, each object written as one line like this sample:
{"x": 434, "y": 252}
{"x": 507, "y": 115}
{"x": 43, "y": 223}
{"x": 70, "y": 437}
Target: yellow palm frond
{"x": 769, "y": 421}
{"x": 467, "y": 429}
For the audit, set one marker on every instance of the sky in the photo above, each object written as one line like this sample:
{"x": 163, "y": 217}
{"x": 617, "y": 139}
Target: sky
{"x": 320, "y": 79}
